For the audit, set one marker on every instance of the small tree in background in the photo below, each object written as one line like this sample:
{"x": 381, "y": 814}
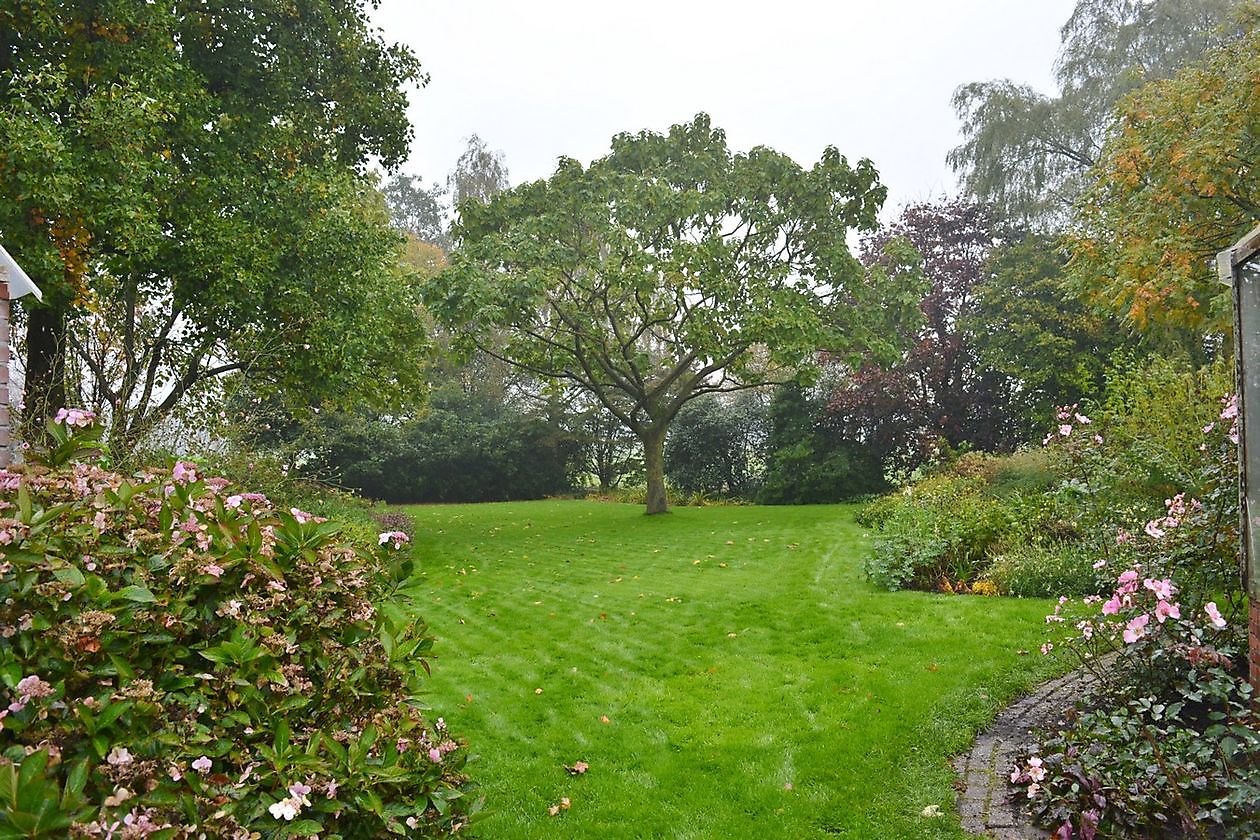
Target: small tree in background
{"x": 809, "y": 460}
{"x": 717, "y": 445}
{"x": 940, "y": 390}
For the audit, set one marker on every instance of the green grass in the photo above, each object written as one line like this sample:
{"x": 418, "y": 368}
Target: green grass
{"x": 734, "y": 650}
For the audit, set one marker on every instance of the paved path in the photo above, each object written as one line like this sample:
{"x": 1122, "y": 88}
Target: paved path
{"x": 986, "y": 803}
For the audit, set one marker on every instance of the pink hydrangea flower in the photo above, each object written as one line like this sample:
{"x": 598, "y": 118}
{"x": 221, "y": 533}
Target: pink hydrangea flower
{"x": 184, "y": 472}
{"x": 75, "y": 417}
{"x": 396, "y": 538}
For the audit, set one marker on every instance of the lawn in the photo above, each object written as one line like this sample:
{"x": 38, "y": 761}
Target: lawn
{"x": 724, "y": 672}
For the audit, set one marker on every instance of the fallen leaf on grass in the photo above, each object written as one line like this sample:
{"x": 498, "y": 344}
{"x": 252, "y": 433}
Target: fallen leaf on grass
{"x": 931, "y": 811}
{"x": 577, "y": 769}
{"x": 604, "y": 719}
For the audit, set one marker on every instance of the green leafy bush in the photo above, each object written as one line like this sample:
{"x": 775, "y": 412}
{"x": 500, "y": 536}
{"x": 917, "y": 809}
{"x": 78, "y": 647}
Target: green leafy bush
{"x": 1045, "y": 569}
{"x": 938, "y": 535}
{"x": 182, "y": 659}
{"x": 716, "y": 446}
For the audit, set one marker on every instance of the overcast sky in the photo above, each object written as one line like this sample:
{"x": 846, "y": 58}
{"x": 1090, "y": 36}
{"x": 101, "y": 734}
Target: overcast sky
{"x": 547, "y": 78}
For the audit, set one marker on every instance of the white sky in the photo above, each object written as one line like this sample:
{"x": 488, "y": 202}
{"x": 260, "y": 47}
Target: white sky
{"x": 547, "y": 78}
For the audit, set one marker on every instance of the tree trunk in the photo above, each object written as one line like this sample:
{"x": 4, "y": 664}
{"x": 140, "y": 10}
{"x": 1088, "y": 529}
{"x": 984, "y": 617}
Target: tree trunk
{"x": 45, "y": 389}
{"x": 654, "y": 464}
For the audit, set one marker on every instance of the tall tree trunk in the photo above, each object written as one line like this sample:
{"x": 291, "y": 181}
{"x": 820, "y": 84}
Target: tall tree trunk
{"x": 46, "y": 330}
{"x": 654, "y": 464}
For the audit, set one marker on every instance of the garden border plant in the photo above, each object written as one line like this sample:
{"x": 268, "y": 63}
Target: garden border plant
{"x": 182, "y": 659}
{"x": 1169, "y": 742}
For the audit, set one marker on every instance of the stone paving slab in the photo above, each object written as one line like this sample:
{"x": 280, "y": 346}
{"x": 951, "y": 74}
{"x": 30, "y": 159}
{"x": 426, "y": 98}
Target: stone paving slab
{"x": 987, "y": 802}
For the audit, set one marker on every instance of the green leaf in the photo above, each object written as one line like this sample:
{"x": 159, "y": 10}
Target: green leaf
{"x": 136, "y": 593}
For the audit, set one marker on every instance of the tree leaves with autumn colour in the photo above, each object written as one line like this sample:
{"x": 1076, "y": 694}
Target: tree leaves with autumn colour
{"x": 1176, "y": 183}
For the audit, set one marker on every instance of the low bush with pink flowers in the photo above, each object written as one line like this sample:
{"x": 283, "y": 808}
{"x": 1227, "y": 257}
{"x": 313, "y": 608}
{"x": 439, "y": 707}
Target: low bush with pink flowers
{"x": 182, "y": 658}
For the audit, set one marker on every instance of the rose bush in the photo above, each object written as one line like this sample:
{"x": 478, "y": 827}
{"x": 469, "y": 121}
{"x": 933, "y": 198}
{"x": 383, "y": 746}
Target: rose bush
{"x": 179, "y": 658}
{"x": 1169, "y": 740}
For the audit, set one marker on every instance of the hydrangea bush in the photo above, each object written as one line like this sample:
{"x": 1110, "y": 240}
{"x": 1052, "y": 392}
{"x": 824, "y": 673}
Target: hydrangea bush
{"x": 1169, "y": 742}
{"x": 179, "y": 658}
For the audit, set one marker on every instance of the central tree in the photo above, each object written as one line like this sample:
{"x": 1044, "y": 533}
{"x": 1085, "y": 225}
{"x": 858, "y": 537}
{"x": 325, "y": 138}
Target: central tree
{"x": 669, "y": 269}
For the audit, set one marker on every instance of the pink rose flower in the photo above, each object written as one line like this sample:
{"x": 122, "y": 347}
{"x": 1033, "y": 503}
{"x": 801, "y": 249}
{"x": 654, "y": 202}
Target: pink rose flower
{"x": 1136, "y": 628}
{"x": 1165, "y": 610}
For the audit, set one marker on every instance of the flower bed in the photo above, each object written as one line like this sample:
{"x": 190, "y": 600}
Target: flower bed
{"x": 1169, "y": 743}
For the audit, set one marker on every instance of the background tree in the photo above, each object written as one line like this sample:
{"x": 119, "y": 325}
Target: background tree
{"x": 605, "y": 449}
{"x": 669, "y": 269}
{"x": 716, "y": 445}
{"x": 417, "y": 210}
{"x": 940, "y": 389}
{"x": 1176, "y": 183}
{"x": 479, "y": 174}
{"x": 809, "y": 460}
{"x": 186, "y": 168}
{"x": 1028, "y": 326}
{"x": 461, "y": 448}
{"x": 1029, "y": 154}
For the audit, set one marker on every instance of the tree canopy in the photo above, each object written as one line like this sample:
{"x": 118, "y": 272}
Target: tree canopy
{"x": 1027, "y": 153}
{"x": 668, "y": 269}
{"x": 938, "y": 389}
{"x": 187, "y": 183}
{"x": 1175, "y": 184}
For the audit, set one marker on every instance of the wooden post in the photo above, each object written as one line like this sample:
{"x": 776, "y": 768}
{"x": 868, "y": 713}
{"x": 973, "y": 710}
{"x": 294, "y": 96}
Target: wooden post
{"x": 1240, "y": 267}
